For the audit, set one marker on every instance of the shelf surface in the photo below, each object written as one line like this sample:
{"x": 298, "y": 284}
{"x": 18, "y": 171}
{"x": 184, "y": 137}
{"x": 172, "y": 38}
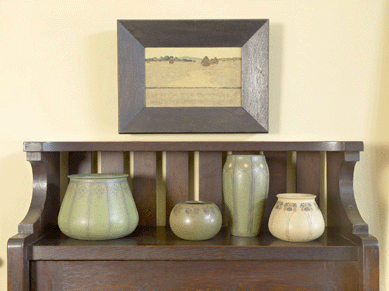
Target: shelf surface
{"x": 193, "y": 146}
{"x": 160, "y": 243}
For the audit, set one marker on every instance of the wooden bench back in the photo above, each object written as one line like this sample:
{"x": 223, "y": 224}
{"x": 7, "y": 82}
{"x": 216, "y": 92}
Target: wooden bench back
{"x": 174, "y": 175}
{"x": 162, "y": 174}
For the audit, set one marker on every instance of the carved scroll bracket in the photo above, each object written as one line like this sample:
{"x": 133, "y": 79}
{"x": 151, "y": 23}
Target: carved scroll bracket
{"x": 44, "y": 206}
{"x": 343, "y": 214}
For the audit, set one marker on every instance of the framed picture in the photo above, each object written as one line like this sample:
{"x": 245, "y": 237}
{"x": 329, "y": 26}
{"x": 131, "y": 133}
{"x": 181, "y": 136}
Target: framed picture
{"x": 193, "y": 76}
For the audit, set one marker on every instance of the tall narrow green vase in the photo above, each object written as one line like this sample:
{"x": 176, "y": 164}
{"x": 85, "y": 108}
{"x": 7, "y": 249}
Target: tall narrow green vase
{"x": 245, "y": 191}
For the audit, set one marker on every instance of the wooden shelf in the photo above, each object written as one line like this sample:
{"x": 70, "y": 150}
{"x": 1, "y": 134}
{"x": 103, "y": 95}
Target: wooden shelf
{"x": 159, "y": 243}
{"x": 191, "y": 146}
{"x": 40, "y": 257}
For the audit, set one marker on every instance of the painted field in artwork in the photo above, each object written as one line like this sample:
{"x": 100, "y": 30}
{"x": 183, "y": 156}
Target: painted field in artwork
{"x": 193, "y": 77}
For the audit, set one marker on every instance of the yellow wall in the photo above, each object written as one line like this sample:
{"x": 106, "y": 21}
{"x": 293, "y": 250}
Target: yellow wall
{"x": 329, "y": 80}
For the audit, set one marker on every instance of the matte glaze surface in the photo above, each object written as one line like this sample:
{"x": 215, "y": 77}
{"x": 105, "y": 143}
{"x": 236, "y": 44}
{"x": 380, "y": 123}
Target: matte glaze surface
{"x": 245, "y": 190}
{"x": 296, "y": 217}
{"x": 98, "y": 207}
{"x": 195, "y": 220}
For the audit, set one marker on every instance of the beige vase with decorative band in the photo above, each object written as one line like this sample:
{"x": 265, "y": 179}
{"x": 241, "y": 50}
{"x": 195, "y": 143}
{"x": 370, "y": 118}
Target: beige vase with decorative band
{"x": 296, "y": 217}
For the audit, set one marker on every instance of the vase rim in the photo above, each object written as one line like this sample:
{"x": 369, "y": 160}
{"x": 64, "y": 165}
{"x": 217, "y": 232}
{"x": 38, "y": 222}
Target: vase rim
{"x": 197, "y": 202}
{"x": 296, "y": 195}
{"x": 96, "y": 176}
{"x": 244, "y": 155}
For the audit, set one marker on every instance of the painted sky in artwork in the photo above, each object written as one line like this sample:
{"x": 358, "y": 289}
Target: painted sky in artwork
{"x": 195, "y": 52}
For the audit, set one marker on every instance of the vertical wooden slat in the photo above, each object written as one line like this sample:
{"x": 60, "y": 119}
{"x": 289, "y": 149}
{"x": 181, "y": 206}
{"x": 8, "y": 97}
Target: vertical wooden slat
{"x": 308, "y": 173}
{"x": 80, "y": 163}
{"x": 126, "y": 161}
{"x": 131, "y": 171}
{"x": 335, "y": 213}
{"x": 323, "y": 184}
{"x": 145, "y": 186}
{"x": 64, "y": 172}
{"x": 112, "y": 162}
{"x": 210, "y": 177}
{"x": 177, "y": 189}
{"x": 291, "y": 172}
{"x": 277, "y": 163}
{"x": 191, "y": 179}
{"x": 161, "y": 189}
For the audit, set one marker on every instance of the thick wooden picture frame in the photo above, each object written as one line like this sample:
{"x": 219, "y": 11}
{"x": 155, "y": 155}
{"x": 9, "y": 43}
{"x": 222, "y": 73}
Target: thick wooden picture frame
{"x": 251, "y": 35}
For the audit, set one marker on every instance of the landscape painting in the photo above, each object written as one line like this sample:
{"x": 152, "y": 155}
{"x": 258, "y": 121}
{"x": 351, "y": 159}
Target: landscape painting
{"x": 193, "y": 77}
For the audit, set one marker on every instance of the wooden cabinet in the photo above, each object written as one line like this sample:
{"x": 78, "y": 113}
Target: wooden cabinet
{"x": 40, "y": 257}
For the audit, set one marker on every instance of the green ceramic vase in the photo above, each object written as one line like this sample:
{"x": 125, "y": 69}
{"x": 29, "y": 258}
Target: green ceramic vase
{"x": 98, "y": 207}
{"x": 195, "y": 220}
{"x": 245, "y": 191}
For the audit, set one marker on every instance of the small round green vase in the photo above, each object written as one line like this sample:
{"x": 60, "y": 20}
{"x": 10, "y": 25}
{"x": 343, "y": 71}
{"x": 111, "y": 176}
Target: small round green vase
{"x": 98, "y": 207}
{"x": 195, "y": 220}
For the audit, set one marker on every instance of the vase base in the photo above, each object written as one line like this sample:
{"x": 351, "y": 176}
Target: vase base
{"x": 244, "y": 234}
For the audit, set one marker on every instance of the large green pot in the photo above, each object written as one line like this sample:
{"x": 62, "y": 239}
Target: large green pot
{"x": 98, "y": 207}
{"x": 245, "y": 191}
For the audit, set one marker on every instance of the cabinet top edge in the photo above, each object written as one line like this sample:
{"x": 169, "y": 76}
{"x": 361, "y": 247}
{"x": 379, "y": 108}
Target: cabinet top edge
{"x": 193, "y": 146}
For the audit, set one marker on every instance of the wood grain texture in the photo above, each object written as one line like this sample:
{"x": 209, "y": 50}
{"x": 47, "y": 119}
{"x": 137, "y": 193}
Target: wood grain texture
{"x": 343, "y": 214}
{"x": 145, "y": 186}
{"x": 40, "y": 219}
{"x": 277, "y": 163}
{"x": 340, "y": 276}
{"x": 44, "y": 208}
{"x": 112, "y": 162}
{"x": 308, "y": 173}
{"x": 161, "y": 244}
{"x": 17, "y": 264}
{"x": 193, "y": 33}
{"x": 80, "y": 163}
{"x": 193, "y": 120}
{"x": 177, "y": 180}
{"x": 255, "y": 76}
{"x": 342, "y": 211}
{"x": 200, "y": 275}
{"x": 193, "y": 146}
{"x": 46, "y": 275}
{"x": 211, "y": 178}
{"x": 131, "y": 74}
{"x": 369, "y": 263}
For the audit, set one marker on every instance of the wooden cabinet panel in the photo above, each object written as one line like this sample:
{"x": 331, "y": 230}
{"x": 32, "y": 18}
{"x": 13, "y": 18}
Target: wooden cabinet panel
{"x": 194, "y": 275}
